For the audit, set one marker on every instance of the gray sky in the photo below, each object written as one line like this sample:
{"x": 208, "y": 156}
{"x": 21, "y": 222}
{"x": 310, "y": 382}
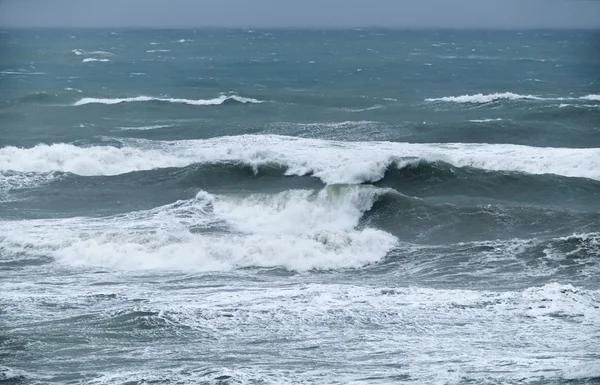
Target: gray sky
{"x": 302, "y": 13}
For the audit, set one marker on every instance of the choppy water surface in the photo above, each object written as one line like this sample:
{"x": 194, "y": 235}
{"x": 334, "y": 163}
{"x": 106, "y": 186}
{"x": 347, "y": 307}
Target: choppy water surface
{"x": 318, "y": 207}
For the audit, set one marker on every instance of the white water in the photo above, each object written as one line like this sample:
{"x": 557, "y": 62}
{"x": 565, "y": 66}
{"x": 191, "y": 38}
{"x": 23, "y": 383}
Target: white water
{"x": 298, "y": 229}
{"x": 331, "y": 161}
{"x": 488, "y": 98}
{"x": 198, "y": 102}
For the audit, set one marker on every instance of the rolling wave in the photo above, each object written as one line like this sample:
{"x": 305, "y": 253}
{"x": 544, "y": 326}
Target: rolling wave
{"x": 431, "y": 179}
{"x": 223, "y": 99}
{"x": 331, "y": 161}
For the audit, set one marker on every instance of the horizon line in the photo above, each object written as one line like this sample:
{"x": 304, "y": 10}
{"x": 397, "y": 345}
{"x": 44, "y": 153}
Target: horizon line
{"x": 313, "y": 28}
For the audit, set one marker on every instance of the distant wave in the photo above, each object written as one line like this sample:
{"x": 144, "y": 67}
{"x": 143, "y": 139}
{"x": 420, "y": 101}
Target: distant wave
{"x": 375, "y": 107}
{"x": 144, "y": 128}
{"x": 595, "y": 98}
{"x": 565, "y": 105}
{"x": 19, "y": 72}
{"x": 488, "y": 98}
{"x": 331, "y": 161}
{"x": 80, "y": 52}
{"x": 158, "y": 50}
{"x": 199, "y": 102}
{"x": 481, "y": 98}
{"x": 485, "y": 120}
{"x": 91, "y": 59}
{"x": 37, "y": 97}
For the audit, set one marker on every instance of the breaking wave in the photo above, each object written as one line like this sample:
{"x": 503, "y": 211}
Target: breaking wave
{"x": 223, "y": 99}
{"x": 297, "y": 229}
{"x": 489, "y": 98}
{"x": 331, "y": 161}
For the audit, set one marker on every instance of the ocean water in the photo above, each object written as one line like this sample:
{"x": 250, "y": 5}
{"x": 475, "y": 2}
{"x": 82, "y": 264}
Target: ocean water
{"x": 299, "y": 207}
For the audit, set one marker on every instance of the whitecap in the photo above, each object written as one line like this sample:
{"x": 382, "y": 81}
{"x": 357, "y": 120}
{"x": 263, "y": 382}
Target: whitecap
{"x": 91, "y": 59}
{"x": 485, "y": 120}
{"x": 196, "y": 102}
{"x": 484, "y": 98}
{"x": 144, "y": 128}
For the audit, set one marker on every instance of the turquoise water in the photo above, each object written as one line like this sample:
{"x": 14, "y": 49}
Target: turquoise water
{"x": 253, "y": 207}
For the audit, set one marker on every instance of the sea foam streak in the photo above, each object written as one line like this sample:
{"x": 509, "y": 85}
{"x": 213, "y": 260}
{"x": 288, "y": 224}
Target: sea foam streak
{"x": 199, "y": 102}
{"x": 331, "y": 161}
{"x": 297, "y": 229}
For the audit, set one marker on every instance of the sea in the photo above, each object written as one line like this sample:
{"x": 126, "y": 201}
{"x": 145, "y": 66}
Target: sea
{"x": 237, "y": 206}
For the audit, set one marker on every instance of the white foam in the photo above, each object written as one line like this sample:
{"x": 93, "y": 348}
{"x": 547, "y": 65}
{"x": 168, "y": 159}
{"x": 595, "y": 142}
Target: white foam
{"x": 591, "y": 97}
{"x": 565, "y": 105}
{"x": 144, "y": 128}
{"x": 298, "y": 229}
{"x": 199, "y": 102}
{"x": 158, "y": 50}
{"x": 582, "y": 371}
{"x": 99, "y": 160}
{"x": 21, "y": 73}
{"x": 331, "y": 161}
{"x": 91, "y": 59}
{"x": 481, "y": 98}
{"x": 16, "y": 181}
{"x": 80, "y": 52}
{"x": 488, "y": 98}
{"x": 327, "y": 125}
{"x": 101, "y": 53}
{"x": 9, "y": 375}
{"x": 485, "y": 120}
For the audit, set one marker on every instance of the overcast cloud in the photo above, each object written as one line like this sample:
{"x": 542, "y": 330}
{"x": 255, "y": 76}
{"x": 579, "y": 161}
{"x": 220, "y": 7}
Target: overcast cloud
{"x": 302, "y": 13}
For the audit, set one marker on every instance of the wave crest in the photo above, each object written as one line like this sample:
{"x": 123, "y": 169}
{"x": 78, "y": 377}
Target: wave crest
{"x": 482, "y": 98}
{"x": 493, "y": 97}
{"x": 91, "y": 59}
{"x": 331, "y": 161}
{"x": 199, "y": 102}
